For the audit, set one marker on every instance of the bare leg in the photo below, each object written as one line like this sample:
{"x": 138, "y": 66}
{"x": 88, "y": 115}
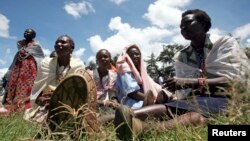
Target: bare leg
{"x": 157, "y": 110}
{"x": 104, "y": 119}
{"x": 132, "y": 125}
{"x": 190, "y": 118}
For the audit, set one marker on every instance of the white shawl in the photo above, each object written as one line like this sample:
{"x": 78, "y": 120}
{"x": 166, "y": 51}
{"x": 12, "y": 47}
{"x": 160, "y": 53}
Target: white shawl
{"x": 47, "y": 73}
{"x": 226, "y": 58}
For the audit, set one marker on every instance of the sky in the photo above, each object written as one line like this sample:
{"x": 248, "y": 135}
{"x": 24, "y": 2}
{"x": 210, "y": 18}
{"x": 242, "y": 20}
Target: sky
{"x": 113, "y": 24}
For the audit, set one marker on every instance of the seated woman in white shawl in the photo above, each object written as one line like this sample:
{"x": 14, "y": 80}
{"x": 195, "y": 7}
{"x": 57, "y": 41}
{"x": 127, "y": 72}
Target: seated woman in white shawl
{"x": 51, "y": 72}
{"x": 201, "y": 69}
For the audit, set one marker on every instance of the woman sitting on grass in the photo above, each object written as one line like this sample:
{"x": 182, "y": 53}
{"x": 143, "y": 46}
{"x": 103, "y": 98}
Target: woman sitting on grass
{"x": 105, "y": 79}
{"x": 52, "y": 71}
{"x": 203, "y": 73}
{"x": 63, "y": 92}
{"x": 136, "y": 87}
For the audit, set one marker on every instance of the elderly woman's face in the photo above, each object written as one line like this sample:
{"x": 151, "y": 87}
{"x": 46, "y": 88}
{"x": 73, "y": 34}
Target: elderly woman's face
{"x": 103, "y": 59}
{"x": 135, "y": 55}
{"x": 190, "y": 27}
{"x": 63, "y": 47}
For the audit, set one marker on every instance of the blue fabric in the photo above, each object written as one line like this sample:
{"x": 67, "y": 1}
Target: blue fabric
{"x": 207, "y": 106}
{"x": 126, "y": 84}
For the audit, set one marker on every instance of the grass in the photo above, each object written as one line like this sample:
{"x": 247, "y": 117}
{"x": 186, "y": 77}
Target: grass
{"x": 14, "y": 128}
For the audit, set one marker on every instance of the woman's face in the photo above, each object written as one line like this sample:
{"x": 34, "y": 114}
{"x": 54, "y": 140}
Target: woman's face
{"x": 135, "y": 55}
{"x": 190, "y": 27}
{"x": 103, "y": 59}
{"x": 63, "y": 47}
{"x": 29, "y": 34}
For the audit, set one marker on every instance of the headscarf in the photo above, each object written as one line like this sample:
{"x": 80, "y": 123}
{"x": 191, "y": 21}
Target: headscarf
{"x": 125, "y": 64}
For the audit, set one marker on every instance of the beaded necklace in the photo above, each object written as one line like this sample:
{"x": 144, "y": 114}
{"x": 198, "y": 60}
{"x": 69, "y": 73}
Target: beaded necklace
{"x": 61, "y": 72}
{"x": 201, "y": 61}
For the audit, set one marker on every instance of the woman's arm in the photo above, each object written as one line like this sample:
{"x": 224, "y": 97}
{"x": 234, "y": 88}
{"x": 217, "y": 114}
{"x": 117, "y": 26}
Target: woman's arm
{"x": 137, "y": 95}
{"x": 195, "y": 82}
{"x": 174, "y": 84}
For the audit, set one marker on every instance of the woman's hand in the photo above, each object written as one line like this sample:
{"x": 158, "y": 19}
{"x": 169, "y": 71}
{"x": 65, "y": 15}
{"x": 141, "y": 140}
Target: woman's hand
{"x": 111, "y": 103}
{"x": 22, "y": 42}
{"x": 170, "y": 84}
{"x": 22, "y": 102}
{"x": 44, "y": 99}
{"x": 115, "y": 103}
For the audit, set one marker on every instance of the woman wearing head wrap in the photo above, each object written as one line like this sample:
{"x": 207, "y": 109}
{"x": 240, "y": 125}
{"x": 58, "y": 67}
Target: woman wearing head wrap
{"x": 136, "y": 87}
{"x": 202, "y": 69}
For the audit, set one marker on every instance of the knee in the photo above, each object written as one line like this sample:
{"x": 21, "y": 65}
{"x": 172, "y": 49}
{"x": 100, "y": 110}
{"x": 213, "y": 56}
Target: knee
{"x": 197, "y": 118}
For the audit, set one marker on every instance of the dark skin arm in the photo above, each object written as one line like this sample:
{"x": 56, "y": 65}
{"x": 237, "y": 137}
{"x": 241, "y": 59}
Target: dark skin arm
{"x": 137, "y": 95}
{"x": 174, "y": 84}
{"x": 44, "y": 99}
{"x": 113, "y": 102}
